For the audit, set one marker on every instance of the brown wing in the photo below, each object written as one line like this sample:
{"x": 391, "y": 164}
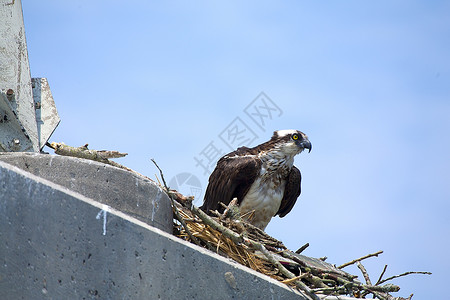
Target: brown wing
{"x": 291, "y": 192}
{"x": 231, "y": 178}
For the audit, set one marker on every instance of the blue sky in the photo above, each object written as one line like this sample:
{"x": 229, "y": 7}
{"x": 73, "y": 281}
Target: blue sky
{"x": 368, "y": 82}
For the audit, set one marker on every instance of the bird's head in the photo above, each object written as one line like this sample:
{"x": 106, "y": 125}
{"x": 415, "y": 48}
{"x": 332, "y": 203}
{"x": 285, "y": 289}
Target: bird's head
{"x": 291, "y": 142}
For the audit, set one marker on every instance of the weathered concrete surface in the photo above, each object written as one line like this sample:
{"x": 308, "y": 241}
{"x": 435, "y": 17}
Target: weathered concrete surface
{"x": 55, "y": 244}
{"x": 13, "y": 136}
{"x": 120, "y": 189}
{"x": 47, "y": 118}
{"x": 15, "y": 77}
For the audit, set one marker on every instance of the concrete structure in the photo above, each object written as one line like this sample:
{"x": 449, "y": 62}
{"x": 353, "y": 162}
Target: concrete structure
{"x": 47, "y": 118}
{"x": 15, "y": 78}
{"x": 25, "y": 123}
{"x": 58, "y": 244}
{"x": 132, "y": 194}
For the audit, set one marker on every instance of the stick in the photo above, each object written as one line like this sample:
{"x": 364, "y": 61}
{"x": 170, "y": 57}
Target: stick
{"x": 286, "y": 281}
{"x": 175, "y": 209}
{"x": 381, "y": 275}
{"x": 285, "y": 271}
{"x": 403, "y": 274}
{"x": 371, "y": 288}
{"x": 327, "y": 290}
{"x": 302, "y": 248}
{"x": 95, "y": 155}
{"x": 317, "y": 271}
{"x": 316, "y": 281}
{"x": 236, "y": 238}
{"x": 84, "y": 152}
{"x": 364, "y": 272}
{"x": 359, "y": 259}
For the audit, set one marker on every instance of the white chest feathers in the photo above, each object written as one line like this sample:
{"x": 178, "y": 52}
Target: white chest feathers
{"x": 262, "y": 201}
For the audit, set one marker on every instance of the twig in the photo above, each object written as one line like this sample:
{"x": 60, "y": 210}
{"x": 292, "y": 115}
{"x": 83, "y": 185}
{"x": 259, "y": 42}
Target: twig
{"x": 351, "y": 284}
{"x": 236, "y": 238}
{"x": 285, "y": 271}
{"x": 364, "y": 272}
{"x": 316, "y": 281}
{"x": 290, "y": 280}
{"x": 95, "y": 155}
{"x": 403, "y": 274}
{"x": 315, "y": 270}
{"x": 161, "y": 173}
{"x": 261, "y": 235}
{"x": 84, "y": 152}
{"x": 381, "y": 275}
{"x": 359, "y": 259}
{"x": 329, "y": 290}
{"x": 174, "y": 207}
{"x": 363, "y": 295}
{"x": 185, "y": 201}
{"x": 302, "y": 248}
{"x": 387, "y": 288}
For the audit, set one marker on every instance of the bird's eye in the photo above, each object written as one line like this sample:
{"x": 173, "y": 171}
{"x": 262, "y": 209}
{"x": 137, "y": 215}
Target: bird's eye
{"x": 295, "y": 136}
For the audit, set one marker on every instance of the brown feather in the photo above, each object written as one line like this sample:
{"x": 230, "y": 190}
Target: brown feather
{"x": 231, "y": 178}
{"x": 291, "y": 192}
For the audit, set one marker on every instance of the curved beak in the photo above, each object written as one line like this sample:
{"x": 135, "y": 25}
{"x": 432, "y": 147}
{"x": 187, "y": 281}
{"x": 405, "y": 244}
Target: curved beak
{"x": 306, "y": 144}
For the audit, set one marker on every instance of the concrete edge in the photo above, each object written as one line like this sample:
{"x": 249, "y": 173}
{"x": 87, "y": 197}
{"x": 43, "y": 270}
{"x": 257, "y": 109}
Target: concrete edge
{"x": 130, "y": 192}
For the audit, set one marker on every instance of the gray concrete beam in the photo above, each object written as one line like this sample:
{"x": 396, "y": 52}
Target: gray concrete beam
{"x": 132, "y": 194}
{"x": 58, "y": 244}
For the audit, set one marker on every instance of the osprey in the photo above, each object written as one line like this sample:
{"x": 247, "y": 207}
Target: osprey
{"x": 263, "y": 178}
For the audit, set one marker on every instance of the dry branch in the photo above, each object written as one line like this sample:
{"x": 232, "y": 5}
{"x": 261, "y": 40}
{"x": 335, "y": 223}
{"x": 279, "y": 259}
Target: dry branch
{"x": 174, "y": 207}
{"x": 359, "y": 259}
{"x": 302, "y": 248}
{"x": 364, "y": 272}
{"x": 102, "y": 156}
{"x": 84, "y": 152}
{"x": 381, "y": 275}
{"x": 403, "y": 274}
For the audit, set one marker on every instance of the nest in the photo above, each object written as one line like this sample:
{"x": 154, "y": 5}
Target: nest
{"x": 229, "y": 235}
{"x": 214, "y": 240}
